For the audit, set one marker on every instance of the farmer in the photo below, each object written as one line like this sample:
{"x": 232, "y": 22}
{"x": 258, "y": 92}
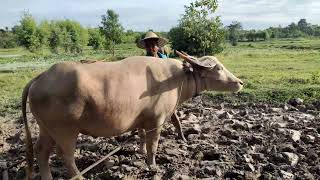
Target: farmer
{"x": 154, "y": 45}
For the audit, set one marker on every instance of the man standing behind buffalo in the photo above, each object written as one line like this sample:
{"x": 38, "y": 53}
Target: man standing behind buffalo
{"x": 154, "y": 46}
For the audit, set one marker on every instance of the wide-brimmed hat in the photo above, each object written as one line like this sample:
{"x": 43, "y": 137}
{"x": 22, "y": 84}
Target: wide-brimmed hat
{"x": 151, "y": 35}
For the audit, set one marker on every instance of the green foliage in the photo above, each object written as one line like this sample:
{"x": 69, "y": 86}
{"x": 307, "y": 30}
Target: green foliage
{"x": 111, "y": 29}
{"x": 73, "y": 36}
{"x": 130, "y": 36}
{"x": 69, "y": 35}
{"x": 198, "y": 31}
{"x": 315, "y": 77}
{"x": 293, "y": 30}
{"x": 28, "y": 33}
{"x": 54, "y": 39}
{"x": 7, "y": 39}
{"x": 178, "y": 40}
{"x": 95, "y": 39}
{"x": 234, "y": 32}
{"x": 43, "y": 32}
{"x": 305, "y": 27}
{"x": 255, "y": 36}
{"x": 301, "y": 29}
{"x": 140, "y": 36}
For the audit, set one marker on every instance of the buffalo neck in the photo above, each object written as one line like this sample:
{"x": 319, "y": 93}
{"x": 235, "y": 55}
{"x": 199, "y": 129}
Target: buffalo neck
{"x": 190, "y": 86}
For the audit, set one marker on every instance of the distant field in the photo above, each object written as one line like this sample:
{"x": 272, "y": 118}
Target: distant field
{"x": 272, "y": 71}
{"x": 16, "y": 71}
{"x": 13, "y": 51}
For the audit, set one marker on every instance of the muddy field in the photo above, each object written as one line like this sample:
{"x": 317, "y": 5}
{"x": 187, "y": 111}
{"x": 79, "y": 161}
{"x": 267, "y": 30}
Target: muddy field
{"x": 225, "y": 141}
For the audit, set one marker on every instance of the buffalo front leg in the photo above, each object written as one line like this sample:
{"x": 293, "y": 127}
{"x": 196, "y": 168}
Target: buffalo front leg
{"x": 176, "y": 123}
{"x": 142, "y": 135}
{"x": 152, "y": 139}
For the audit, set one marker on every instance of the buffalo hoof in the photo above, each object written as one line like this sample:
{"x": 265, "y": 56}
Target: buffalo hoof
{"x": 142, "y": 150}
{"x": 153, "y": 168}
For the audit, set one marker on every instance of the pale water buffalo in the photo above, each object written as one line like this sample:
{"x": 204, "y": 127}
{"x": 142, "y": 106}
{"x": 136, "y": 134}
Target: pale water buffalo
{"x": 111, "y": 98}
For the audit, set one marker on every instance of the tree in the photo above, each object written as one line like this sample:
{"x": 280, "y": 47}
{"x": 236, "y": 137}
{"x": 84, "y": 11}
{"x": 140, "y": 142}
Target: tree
{"x": 73, "y": 37}
{"x": 293, "y": 31}
{"x": 95, "y": 39}
{"x": 316, "y": 30}
{"x": 7, "y": 38}
{"x": 43, "y": 32}
{"x": 28, "y": 34}
{"x": 234, "y": 32}
{"x": 54, "y": 39}
{"x": 111, "y": 29}
{"x": 178, "y": 40}
{"x": 198, "y": 31}
{"x": 265, "y": 35}
{"x": 79, "y": 37}
{"x": 251, "y": 35}
{"x": 242, "y": 35}
{"x": 130, "y": 36}
{"x": 303, "y": 25}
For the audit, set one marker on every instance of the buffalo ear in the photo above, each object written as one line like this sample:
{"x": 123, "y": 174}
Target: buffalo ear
{"x": 208, "y": 62}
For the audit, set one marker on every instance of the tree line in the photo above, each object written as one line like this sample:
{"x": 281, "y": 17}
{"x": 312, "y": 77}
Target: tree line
{"x": 235, "y": 33}
{"x": 65, "y": 36}
{"x": 295, "y": 30}
{"x": 199, "y": 32}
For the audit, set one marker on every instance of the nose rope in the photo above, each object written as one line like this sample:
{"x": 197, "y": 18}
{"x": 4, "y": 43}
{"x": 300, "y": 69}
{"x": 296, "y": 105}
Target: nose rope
{"x": 197, "y": 83}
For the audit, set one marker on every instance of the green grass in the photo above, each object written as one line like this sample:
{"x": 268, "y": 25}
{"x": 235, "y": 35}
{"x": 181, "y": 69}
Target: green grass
{"x": 273, "y": 71}
{"x": 11, "y": 88}
{"x": 14, "y": 51}
{"x": 16, "y": 71}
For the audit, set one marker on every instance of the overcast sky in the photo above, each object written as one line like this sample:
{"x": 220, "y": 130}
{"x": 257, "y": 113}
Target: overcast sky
{"x": 161, "y": 15}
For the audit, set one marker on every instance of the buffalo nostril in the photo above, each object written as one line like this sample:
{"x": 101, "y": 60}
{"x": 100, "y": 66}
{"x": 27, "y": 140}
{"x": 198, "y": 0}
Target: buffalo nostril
{"x": 241, "y": 82}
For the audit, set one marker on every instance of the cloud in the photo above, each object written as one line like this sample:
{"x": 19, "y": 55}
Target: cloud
{"x": 161, "y": 15}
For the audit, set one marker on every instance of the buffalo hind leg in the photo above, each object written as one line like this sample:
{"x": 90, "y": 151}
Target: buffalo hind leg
{"x": 44, "y": 147}
{"x": 67, "y": 146}
{"x": 176, "y": 123}
{"x": 142, "y": 135}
